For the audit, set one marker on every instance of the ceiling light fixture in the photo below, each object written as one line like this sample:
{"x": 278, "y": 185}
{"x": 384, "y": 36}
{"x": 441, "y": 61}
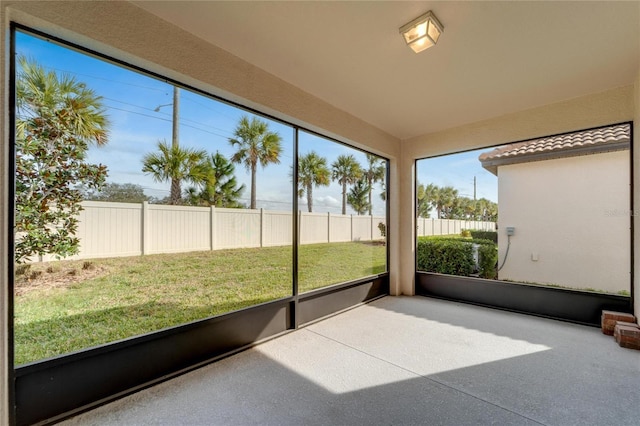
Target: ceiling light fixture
{"x": 423, "y": 32}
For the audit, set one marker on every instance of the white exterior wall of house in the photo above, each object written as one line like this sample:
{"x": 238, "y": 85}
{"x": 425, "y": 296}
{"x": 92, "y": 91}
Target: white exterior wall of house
{"x": 571, "y": 219}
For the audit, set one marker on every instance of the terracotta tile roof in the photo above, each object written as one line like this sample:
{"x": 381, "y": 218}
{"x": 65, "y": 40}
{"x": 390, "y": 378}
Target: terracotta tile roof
{"x": 604, "y": 139}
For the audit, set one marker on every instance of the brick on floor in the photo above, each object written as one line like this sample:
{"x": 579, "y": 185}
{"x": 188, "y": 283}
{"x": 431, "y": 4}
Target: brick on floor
{"x": 627, "y": 335}
{"x": 609, "y": 319}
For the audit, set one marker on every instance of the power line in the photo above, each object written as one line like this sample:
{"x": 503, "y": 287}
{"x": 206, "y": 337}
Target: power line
{"x": 167, "y": 120}
{"x": 182, "y": 118}
{"x": 182, "y": 124}
{"x": 188, "y": 98}
{"x": 157, "y": 89}
{"x": 138, "y": 113}
{"x": 150, "y": 88}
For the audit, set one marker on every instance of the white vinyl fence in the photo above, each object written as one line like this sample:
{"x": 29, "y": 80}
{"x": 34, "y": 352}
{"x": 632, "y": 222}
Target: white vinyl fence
{"x": 130, "y": 229}
{"x": 428, "y": 227}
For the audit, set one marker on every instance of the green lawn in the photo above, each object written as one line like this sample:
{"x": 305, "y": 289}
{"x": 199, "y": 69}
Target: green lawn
{"x": 66, "y": 306}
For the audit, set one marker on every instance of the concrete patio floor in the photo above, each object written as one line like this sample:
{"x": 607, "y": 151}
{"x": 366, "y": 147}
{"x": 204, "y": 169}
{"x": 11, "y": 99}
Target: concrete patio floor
{"x": 404, "y": 360}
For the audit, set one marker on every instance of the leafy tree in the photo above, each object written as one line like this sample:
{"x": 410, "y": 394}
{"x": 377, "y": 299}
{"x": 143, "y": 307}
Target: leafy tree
{"x": 467, "y": 208}
{"x": 346, "y": 171}
{"x": 374, "y": 173}
{"x": 220, "y": 189}
{"x": 450, "y": 205}
{"x": 160, "y": 200}
{"x": 118, "y": 193}
{"x": 434, "y": 199}
{"x": 176, "y": 164}
{"x": 447, "y": 200}
{"x": 358, "y": 196}
{"x": 486, "y": 210}
{"x": 57, "y": 119}
{"x": 312, "y": 171}
{"x": 425, "y": 197}
{"x": 383, "y": 194}
{"x": 255, "y": 144}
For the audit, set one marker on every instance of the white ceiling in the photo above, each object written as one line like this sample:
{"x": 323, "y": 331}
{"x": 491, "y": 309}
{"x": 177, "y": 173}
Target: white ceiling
{"x": 493, "y": 57}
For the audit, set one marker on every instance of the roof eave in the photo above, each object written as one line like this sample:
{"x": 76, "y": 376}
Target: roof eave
{"x": 492, "y": 164}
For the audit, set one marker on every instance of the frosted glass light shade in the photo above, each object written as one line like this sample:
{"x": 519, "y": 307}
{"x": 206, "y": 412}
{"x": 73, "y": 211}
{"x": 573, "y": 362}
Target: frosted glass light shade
{"x": 423, "y": 32}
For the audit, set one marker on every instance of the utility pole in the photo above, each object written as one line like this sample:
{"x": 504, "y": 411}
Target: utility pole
{"x": 176, "y": 117}
{"x": 176, "y": 190}
{"x": 474, "y": 188}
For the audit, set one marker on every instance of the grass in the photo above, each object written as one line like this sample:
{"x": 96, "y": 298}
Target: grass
{"x": 66, "y": 306}
{"x": 552, "y": 285}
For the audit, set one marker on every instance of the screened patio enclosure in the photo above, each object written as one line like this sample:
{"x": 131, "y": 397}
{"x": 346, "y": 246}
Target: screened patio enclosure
{"x": 333, "y": 78}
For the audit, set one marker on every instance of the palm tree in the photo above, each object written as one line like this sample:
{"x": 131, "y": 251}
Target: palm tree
{"x": 357, "y": 197}
{"x": 383, "y": 194}
{"x": 468, "y": 208}
{"x": 425, "y": 196}
{"x": 176, "y": 164}
{"x": 220, "y": 189}
{"x": 256, "y": 144}
{"x": 312, "y": 171}
{"x": 375, "y": 173}
{"x": 57, "y": 119}
{"x": 486, "y": 210}
{"x": 434, "y": 195}
{"x": 463, "y": 209}
{"x": 447, "y": 199}
{"x": 43, "y": 97}
{"x": 346, "y": 171}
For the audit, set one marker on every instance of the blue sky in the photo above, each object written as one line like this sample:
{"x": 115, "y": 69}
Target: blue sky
{"x": 458, "y": 170}
{"x": 130, "y": 99}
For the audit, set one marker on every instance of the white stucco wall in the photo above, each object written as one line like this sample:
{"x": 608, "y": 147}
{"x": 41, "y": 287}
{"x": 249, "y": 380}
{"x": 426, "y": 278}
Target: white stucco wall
{"x": 571, "y": 219}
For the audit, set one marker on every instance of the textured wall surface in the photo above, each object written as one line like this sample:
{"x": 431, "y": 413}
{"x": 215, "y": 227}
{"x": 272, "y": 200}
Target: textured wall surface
{"x": 571, "y": 219}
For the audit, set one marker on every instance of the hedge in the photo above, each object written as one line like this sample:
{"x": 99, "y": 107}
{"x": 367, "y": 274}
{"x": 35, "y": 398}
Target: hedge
{"x": 454, "y": 256}
{"x": 445, "y": 256}
{"x": 485, "y": 235}
{"x": 487, "y": 261}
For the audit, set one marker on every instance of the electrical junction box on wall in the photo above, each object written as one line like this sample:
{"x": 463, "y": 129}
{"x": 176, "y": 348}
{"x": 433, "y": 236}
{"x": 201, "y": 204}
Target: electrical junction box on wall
{"x": 511, "y": 230}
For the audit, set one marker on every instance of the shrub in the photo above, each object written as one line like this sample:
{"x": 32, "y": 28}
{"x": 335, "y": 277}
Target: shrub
{"x": 444, "y": 238}
{"x": 383, "y": 229}
{"x": 487, "y": 260}
{"x": 22, "y": 269}
{"x": 466, "y": 233}
{"x": 454, "y": 255}
{"x": 483, "y": 242}
{"x": 34, "y": 275}
{"x": 485, "y": 235}
{"x": 445, "y": 256}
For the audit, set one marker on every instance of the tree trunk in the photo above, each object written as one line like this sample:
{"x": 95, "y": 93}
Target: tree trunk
{"x": 176, "y": 192}
{"x": 253, "y": 186}
{"x": 370, "y": 205}
{"x": 310, "y": 198}
{"x": 344, "y": 198}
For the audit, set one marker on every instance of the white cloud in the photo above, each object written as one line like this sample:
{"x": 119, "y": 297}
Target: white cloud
{"x": 327, "y": 201}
